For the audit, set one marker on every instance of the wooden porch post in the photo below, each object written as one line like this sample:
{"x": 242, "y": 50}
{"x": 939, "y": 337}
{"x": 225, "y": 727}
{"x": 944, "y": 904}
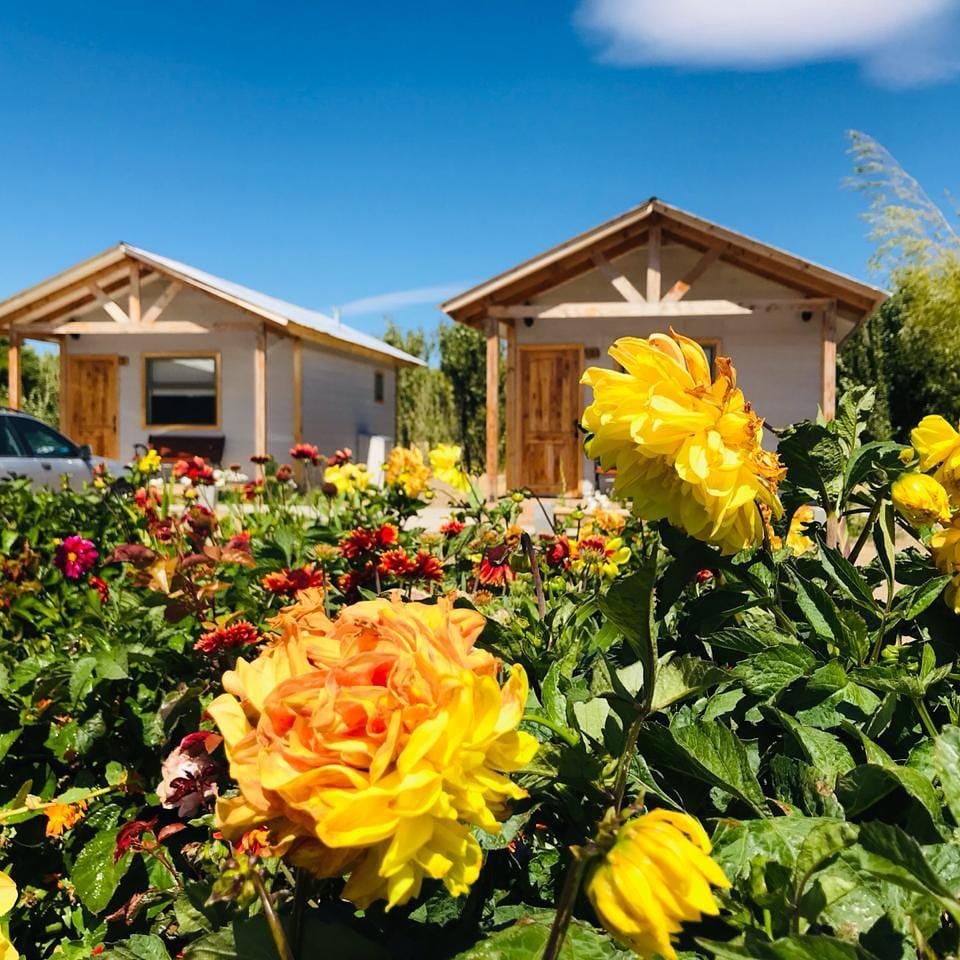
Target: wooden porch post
{"x": 14, "y": 385}
{"x": 493, "y": 405}
{"x": 653, "y": 264}
{"x": 260, "y": 392}
{"x": 512, "y": 435}
{"x": 828, "y": 362}
{"x": 133, "y": 305}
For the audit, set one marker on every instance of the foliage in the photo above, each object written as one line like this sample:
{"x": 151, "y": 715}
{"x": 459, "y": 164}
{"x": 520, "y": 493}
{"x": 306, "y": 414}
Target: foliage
{"x": 805, "y": 708}
{"x": 40, "y": 376}
{"x": 909, "y": 350}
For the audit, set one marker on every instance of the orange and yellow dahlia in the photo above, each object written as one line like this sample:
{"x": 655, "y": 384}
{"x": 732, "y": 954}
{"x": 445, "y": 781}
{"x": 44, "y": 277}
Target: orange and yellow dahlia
{"x": 373, "y": 744}
{"x": 686, "y": 445}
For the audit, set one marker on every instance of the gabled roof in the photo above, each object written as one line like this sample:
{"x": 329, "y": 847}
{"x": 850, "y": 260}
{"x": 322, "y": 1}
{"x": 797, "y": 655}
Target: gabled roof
{"x": 299, "y": 320}
{"x": 622, "y": 233}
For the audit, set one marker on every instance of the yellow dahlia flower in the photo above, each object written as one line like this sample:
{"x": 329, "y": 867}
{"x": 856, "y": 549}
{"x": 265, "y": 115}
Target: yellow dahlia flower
{"x": 686, "y": 447}
{"x": 921, "y": 499}
{"x": 445, "y": 464}
{"x": 937, "y": 444}
{"x": 945, "y": 550}
{"x": 8, "y": 898}
{"x": 797, "y": 539}
{"x": 656, "y": 877}
{"x": 405, "y": 469}
{"x": 347, "y": 477}
{"x": 374, "y": 744}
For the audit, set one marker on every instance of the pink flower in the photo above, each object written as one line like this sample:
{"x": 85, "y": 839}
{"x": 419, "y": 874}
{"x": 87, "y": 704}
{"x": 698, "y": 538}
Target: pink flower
{"x": 189, "y": 774}
{"x": 75, "y": 557}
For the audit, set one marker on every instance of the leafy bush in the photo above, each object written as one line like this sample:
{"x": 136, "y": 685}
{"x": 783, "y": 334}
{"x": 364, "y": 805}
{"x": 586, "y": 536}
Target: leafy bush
{"x": 799, "y": 698}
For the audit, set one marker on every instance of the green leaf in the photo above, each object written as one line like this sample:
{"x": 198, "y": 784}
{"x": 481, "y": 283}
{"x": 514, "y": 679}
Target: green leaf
{"x": 823, "y": 750}
{"x": 629, "y": 603}
{"x": 682, "y": 677}
{"x": 804, "y": 947}
{"x": 946, "y": 752}
{"x": 80, "y": 675}
{"x": 141, "y": 946}
{"x": 251, "y": 940}
{"x": 707, "y": 751}
{"x": 94, "y": 873}
{"x": 894, "y": 856}
{"x": 823, "y": 843}
{"x": 910, "y": 602}
{"x": 814, "y": 460}
{"x": 848, "y": 578}
{"x": 7, "y": 740}
{"x": 885, "y": 540}
{"x": 526, "y": 939}
{"x": 773, "y": 670}
{"x": 818, "y": 610}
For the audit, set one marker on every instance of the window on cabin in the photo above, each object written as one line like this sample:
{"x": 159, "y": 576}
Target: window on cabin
{"x": 181, "y": 391}
{"x": 378, "y": 387}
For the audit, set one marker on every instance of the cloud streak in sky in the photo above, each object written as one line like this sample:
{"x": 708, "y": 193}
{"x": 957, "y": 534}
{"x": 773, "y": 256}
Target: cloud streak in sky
{"x": 399, "y": 299}
{"x": 896, "y": 42}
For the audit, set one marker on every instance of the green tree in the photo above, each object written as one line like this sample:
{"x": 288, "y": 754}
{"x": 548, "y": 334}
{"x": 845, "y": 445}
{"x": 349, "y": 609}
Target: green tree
{"x": 425, "y": 404}
{"x": 463, "y": 360}
{"x": 40, "y": 380}
{"x": 909, "y": 350}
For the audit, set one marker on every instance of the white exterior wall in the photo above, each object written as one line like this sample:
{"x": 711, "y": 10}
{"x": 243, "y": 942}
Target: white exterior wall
{"x": 338, "y": 401}
{"x": 279, "y": 397}
{"x": 338, "y": 389}
{"x": 776, "y": 353}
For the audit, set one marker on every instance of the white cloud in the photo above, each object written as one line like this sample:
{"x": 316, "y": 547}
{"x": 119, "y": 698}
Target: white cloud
{"x": 899, "y": 42}
{"x": 398, "y": 299}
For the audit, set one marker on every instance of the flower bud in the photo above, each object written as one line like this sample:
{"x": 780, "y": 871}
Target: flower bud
{"x": 920, "y": 499}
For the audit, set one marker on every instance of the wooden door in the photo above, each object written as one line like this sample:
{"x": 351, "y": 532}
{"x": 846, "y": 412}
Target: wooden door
{"x": 549, "y": 460}
{"x": 92, "y": 403}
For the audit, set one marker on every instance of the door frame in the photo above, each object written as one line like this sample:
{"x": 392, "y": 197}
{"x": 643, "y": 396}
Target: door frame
{"x": 66, "y": 405}
{"x": 574, "y": 488}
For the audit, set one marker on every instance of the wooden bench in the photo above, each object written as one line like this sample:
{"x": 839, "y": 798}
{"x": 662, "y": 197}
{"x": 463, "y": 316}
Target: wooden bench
{"x": 176, "y": 446}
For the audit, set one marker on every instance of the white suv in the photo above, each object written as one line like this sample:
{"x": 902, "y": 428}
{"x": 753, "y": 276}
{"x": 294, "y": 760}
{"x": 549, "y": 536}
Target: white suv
{"x": 30, "y": 448}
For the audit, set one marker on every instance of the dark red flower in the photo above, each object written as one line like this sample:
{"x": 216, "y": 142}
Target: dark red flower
{"x": 357, "y": 543}
{"x": 343, "y": 455}
{"x": 451, "y": 528}
{"x": 240, "y": 633}
{"x": 201, "y": 523}
{"x": 387, "y": 535}
{"x": 261, "y": 458}
{"x": 284, "y": 473}
{"x": 703, "y": 576}
{"x": 397, "y": 563}
{"x": 101, "y": 586}
{"x": 350, "y": 581}
{"x": 130, "y": 837}
{"x": 305, "y": 451}
{"x": 75, "y": 557}
{"x": 428, "y": 567}
{"x": 494, "y": 569}
{"x": 557, "y": 553}
{"x": 190, "y": 774}
{"x": 289, "y": 582}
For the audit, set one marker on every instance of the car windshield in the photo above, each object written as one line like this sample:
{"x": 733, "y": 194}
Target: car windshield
{"x": 39, "y": 440}
{"x": 8, "y": 442}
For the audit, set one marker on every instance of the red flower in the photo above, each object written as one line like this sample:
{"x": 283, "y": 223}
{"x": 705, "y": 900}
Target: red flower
{"x": 196, "y": 470}
{"x": 343, "y": 455}
{"x": 284, "y": 473}
{"x": 494, "y": 568}
{"x": 147, "y": 500}
{"x": 305, "y": 451}
{"x": 261, "y": 458}
{"x": 240, "y": 633}
{"x": 397, "y": 563}
{"x": 359, "y": 542}
{"x": 557, "y": 553}
{"x": 130, "y": 837}
{"x": 428, "y": 567}
{"x": 289, "y": 582}
{"x": 253, "y": 489}
{"x": 703, "y": 576}
{"x": 239, "y": 541}
{"x": 75, "y": 557}
{"x": 201, "y": 523}
{"x": 451, "y": 528}
{"x": 97, "y": 950}
{"x": 350, "y": 581}
{"x": 102, "y": 587}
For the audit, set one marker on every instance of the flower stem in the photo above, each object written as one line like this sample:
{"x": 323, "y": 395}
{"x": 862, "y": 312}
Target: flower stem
{"x": 867, "y": 527}
{"x": 531, "y": 552}
{"x": 273, "y": 921}
{"x": 301, "y": 893}
{"x": 925, "y": 717}
{"x": 568, "y": 899}
{"x": 620, "y": 786}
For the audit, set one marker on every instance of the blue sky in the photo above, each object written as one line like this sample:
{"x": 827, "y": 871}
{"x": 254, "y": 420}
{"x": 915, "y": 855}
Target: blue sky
{"x": 331, "y": 153}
